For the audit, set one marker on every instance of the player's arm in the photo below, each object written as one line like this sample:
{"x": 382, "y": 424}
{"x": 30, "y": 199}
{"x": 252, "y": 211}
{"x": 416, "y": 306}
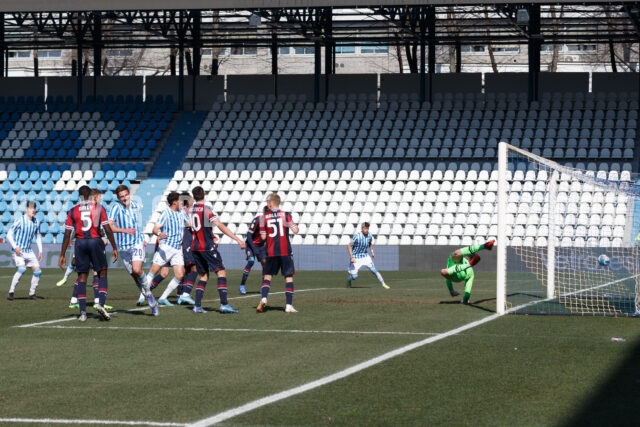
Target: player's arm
{"x": 157, "y": 230}
{"x": 109, "y": 232}
{"x": 373, "y": 255}
{"x": 350, "y": 250}
{"x": 39, "y": 245}
{"x": 62, "y": 262}
{"x": 229, "y": 233}
{"x": 12, "y": 241}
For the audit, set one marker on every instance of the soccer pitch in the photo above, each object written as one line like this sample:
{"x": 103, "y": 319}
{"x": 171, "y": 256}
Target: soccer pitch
{"x": 363, "y": 356}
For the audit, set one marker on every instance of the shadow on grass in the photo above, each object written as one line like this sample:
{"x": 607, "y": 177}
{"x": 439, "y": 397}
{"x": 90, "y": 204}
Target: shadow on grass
{"x": 473, "y": 304}
{"x": 616, "y": 401}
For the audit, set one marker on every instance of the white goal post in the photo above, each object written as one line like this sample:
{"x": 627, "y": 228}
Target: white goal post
{"x": 567, "y": 238}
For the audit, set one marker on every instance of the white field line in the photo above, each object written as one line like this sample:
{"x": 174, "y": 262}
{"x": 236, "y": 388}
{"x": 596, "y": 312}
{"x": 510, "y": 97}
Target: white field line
{"x": 51, "y": 421}
{"x": 67, "y": 319}
{"x": 267, "y": 400}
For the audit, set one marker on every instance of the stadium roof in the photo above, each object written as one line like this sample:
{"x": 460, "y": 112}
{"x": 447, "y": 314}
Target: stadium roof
{"x": 60, "y": 24}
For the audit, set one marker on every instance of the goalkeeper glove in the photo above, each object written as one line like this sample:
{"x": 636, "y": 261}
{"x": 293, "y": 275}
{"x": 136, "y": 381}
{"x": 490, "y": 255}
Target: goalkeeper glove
{"x": 474, "y": 259}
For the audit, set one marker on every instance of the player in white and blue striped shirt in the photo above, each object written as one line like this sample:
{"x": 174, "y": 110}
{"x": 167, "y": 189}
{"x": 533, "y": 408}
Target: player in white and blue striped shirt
{"x": 170, "y": 229}
{"x": 125, "y": 218}
{"x": 20, "y": 236}
{"x": 359, "y": 247}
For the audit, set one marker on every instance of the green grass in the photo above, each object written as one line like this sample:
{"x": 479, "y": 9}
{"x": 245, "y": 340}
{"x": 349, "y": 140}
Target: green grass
{"x": 180, "y": 368}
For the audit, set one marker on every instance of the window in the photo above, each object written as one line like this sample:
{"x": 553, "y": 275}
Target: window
{"x": 506, "y": 49}
{"x": 244, "y": 50}
{"x": 119, "y": 53}
{"x": 50, "y": 54}
{"x": 304, "y": 50}
{"x": 465, "y": 48}
{"x": 20, "y": 54}
{"x": 367, "y": 49}
{"x": 570, "y": 48}
{"x": 345, "y": 49}
{"x": 286, "y": 50}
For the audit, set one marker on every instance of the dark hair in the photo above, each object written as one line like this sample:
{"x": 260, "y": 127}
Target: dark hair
{"x": 172, "y": 197}
{"x": 84, "y": 192}
{"x": 185, "y": 196}
{"x": 31, "y": 204}
{"x": 198, "y": 193}
{"x": 120, "y": 188}
{"x": 365, "y": 224}
{"x": 265, "y": 209}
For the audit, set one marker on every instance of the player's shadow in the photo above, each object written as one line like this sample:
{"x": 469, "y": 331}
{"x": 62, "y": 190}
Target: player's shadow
{"x": 473, "y": 304}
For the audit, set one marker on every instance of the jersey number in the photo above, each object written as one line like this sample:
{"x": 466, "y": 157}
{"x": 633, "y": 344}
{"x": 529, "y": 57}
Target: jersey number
{"x": 275, "y": 227}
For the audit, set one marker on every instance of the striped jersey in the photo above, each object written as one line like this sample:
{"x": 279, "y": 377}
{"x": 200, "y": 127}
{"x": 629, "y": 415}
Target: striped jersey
{"x": 202, "y": 223}
{"x": 253, "y": 234}
{"x": 172, "y": 223}
{"x": 274, "y": 228}
{"x": 360, "y": 244}
{"x": 24, "y": 230}
{"x": 127, "y": 217}
{"x": 86, "y": 219}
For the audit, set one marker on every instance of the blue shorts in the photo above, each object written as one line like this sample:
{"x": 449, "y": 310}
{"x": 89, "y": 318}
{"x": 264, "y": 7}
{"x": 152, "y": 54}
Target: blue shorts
{"x": 188, "y": 258}
{"x": 90, "y": 255}
{"x": 260, "y": 254}
{"x": 275, "y": 264}
{"x": 208, "y": 261}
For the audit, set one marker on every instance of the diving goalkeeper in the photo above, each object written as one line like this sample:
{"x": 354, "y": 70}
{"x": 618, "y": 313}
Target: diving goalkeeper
{"x": 460, "y": 268}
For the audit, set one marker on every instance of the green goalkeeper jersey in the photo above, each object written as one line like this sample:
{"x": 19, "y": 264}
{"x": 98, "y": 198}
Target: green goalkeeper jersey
{"x": 463, "y": 270}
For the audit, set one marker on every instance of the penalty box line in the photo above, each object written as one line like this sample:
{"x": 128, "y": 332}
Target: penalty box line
{"x": 133, "y": 310}
{"x": 267, "y": 400}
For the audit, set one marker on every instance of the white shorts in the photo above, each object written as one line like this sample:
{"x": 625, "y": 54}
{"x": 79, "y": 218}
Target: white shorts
{"x": 131, "y": 255}
{"x": 359, "y": 263}
{"x": 166, "y": 255}
{"x": 27, "y": 259}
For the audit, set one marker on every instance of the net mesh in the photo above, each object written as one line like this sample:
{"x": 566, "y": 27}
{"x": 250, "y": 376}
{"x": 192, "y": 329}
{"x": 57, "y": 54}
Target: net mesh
{"x": 571, "y": 238}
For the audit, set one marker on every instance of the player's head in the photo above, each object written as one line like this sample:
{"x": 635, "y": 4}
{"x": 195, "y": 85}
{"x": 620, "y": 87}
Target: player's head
{"x": 198, "y": 193}
{"x": 172, "y": 198}
{"x": 85, "y": 193}
{"x": 31, "y": 208}
{"x": 96, "y": 195}
{"x": 123, "y": 194}
{"x": 185, "y": 198}
{"x": 273, "y": 200}
{"x": 365, "y": 228}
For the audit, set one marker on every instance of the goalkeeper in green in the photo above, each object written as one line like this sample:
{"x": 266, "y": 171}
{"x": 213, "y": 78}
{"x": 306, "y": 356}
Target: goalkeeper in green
{"x": 460, "y": 268}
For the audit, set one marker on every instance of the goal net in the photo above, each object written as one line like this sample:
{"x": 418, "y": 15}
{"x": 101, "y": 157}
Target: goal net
{"x": 567, "y": 238}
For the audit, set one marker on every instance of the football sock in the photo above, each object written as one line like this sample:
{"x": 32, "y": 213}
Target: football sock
{"x": 449, "y": 284}
{"x": 95, "y": 284}
{"x": 222, "y": 290}
{"x": 379, "y": 277}
{"x": 82, "y": 296}
{"x": 265, "y": 288}
{"x": 188, "y": 280}
{"x": 68, "y": 271}
{"x": 246, "y": 271}
{"x": 156, "y": 280}
{"x": 200, "y": 287}
{"x": 103, "y": 286}
{"x": 288, "y": 292}
{"x": 470, "y": 250}
{"x": 173, "y": 284}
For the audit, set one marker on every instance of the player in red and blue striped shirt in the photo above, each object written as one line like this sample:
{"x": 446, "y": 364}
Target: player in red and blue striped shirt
{"x": 274, "y": 230}
{"x": 85, "y": 220}
{"x": 205, "y": 250}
